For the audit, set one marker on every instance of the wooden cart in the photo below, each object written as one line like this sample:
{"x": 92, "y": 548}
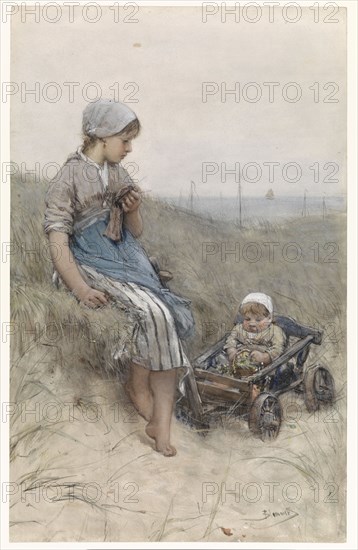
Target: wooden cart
{"x": 210, "y": 395}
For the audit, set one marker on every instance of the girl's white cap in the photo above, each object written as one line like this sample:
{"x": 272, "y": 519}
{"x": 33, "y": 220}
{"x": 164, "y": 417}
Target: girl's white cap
{"x": 105, "y": 117}
{"x": 259, "y": 298}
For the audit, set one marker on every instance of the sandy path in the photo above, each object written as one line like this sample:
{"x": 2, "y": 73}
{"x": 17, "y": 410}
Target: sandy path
{"x": 90, "y": 474}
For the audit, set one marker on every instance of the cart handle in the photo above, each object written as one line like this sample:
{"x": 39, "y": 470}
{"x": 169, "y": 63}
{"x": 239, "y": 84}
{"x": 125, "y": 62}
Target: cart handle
{"x": 293, "y": 350}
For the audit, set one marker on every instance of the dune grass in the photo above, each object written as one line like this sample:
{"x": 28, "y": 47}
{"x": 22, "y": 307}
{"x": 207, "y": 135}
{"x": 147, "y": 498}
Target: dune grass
{"x": 62, "y": 369}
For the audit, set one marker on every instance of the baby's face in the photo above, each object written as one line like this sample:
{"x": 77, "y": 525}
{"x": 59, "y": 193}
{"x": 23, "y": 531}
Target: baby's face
{"x": 255, "y": 323}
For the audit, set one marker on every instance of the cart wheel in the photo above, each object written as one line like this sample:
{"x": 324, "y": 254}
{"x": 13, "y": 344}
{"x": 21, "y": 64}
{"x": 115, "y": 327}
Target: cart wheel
{"x": 265, "y": 416}
{"x": 319, "y": 387}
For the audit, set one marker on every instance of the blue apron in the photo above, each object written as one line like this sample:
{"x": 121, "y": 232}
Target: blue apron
{"x": 127, "y": 261}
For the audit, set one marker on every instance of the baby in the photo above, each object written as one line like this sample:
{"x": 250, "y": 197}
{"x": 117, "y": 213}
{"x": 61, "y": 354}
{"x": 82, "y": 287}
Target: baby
{"x": 256, "y": 341}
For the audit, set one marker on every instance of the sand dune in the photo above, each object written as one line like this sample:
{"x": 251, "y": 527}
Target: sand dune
{"x": 83, "y": 468}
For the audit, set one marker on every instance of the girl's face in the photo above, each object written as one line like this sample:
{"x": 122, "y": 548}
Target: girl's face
{"x": 255, "y": 323}
{"x": 116, "y": 147}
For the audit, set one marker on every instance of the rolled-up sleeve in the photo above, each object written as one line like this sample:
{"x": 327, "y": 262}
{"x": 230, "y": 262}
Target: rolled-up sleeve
{"x": 59, "y": 207}
{"x": 232, "y": 340}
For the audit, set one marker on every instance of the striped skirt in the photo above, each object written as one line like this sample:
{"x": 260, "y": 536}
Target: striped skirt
{"x": 156, "y": 342}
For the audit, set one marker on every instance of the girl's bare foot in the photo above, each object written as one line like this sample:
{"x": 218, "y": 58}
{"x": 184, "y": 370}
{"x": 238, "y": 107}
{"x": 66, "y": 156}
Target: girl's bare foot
{"x": 161, "y": 438}
{"x": 162, "y": 384}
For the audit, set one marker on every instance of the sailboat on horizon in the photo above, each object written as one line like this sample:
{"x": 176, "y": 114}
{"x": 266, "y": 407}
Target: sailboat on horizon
{"x": 270, "y": 195}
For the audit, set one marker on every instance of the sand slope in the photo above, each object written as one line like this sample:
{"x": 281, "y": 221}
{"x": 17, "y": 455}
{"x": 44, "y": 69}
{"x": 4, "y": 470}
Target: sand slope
{"x": 81, "y": 466}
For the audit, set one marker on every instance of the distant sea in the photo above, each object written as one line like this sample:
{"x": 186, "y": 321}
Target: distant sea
{"x": 258, "y": 209}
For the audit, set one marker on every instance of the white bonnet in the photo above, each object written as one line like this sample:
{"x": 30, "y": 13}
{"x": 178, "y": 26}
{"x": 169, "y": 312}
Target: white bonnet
{"x": 259, "y": 298}
{"x": 106, "y": 117}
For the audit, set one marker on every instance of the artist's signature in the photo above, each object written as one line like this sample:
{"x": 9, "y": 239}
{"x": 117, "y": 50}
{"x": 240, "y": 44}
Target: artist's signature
{"x": 278, "y": 516}
{"x": 287, "y": 512}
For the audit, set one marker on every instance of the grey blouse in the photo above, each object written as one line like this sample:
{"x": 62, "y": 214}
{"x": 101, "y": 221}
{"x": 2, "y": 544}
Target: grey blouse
{"x": 78, "y": 192}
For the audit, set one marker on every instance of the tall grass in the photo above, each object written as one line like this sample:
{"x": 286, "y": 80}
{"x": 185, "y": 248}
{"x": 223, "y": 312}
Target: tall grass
{"x": 62, "y": 353}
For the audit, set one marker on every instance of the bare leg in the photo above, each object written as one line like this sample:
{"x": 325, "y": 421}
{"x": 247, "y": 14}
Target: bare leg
{"x": 139, "y": 391}
{"x": 163, "y": 387}
{"x": 255, "y": 392}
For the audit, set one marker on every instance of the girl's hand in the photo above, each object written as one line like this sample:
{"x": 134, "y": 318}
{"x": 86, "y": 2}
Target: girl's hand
{"x": 131, "y": 202}
{"x": 91, "y": 297}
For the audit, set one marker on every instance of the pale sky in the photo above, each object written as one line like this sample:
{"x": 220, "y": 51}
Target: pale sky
{"x": 169, "y": 53}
